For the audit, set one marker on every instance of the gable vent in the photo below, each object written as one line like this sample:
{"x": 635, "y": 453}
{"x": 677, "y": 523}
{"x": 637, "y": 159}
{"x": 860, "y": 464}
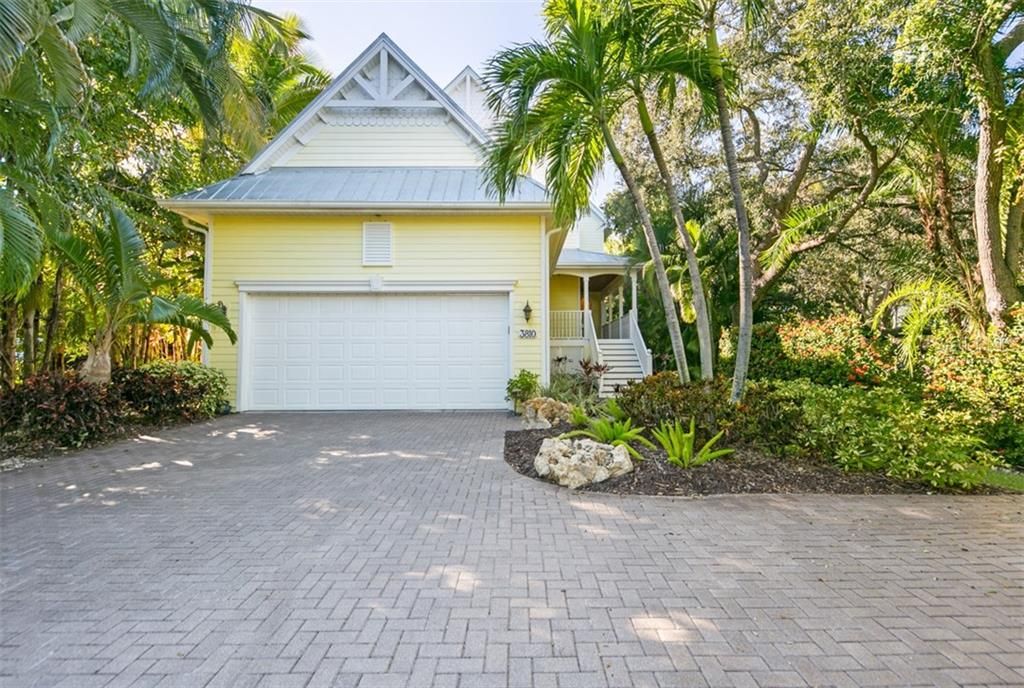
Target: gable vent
{"x": 376, "y": 243}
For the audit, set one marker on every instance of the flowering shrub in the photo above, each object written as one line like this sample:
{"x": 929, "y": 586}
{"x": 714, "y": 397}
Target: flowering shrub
{"x": 984, "y": 381}
{"x": 58, "y": 410}
{"x": 829, "y": 351}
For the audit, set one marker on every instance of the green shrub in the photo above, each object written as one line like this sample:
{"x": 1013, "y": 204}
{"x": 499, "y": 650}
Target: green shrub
{"x": 984, "y": 381}
{"x": 829, "y": 351}
{"x": 764, "y": 419}
{"x": 522, "y": 387}
{"x": 884, "y": 429}
{"x": 169, "y": 392}
{"x": 58, "y": 410}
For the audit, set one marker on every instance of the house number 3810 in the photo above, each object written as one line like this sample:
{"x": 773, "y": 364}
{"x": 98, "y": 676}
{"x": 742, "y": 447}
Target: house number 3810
{"x": 527, "y": 334}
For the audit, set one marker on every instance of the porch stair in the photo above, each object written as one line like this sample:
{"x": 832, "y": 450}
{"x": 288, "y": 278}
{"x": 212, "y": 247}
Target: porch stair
{"x": 623, "y": 361}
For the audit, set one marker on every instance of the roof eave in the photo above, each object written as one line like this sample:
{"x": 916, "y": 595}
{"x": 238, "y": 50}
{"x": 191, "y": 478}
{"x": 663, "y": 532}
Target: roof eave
{"x": 188, "y": 207}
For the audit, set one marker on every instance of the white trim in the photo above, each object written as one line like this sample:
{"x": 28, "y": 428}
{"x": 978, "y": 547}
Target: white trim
{"x": 358, "y": 208}
{"x": 511, "y": 326}
{"x": 241, "y": 386}
{"x": 366, "y": 286}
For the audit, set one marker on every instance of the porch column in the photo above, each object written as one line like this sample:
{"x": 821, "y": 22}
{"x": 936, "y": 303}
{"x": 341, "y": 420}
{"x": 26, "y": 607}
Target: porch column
{"x": 586, "y": 292}
{"x": 622, "y": 301}
{"x": 632, "y": 286}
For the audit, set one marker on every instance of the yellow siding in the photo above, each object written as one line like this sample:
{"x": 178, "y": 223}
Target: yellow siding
{"x": 565, "y": 293}
{"x": 482, "y": 247}
{"x": 437, "y": 145}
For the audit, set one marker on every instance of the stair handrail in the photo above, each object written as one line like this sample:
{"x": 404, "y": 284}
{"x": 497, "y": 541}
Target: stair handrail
{"x": 596, "y": 355}
{"x": 637, "y": 337}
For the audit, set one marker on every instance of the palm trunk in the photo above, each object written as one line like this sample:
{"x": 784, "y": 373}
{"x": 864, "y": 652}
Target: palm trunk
{"x": 700, "y": 305}
{"x": 53, "y": 319}
{"x": 96, "y": 368}
{"x": 746, "y": 300}
{"x": 664, "y": 289}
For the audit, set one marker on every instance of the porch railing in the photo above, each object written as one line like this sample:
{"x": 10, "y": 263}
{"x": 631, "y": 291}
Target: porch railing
{"x": 567, "y": 325}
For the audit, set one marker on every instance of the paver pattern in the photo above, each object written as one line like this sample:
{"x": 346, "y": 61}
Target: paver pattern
{"x": 374, "y": 550}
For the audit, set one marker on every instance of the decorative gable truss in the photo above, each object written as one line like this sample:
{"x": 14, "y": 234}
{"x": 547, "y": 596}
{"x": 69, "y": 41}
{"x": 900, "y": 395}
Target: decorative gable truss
{"x": 382, "y": 87}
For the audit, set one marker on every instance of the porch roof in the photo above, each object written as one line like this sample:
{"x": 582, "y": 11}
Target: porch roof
{"x": 590, "y": 260}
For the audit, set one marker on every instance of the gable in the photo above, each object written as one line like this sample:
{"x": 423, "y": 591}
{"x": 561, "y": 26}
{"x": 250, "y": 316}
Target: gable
{"x": 381, "y": 110}
{"x": 468, "y": 90}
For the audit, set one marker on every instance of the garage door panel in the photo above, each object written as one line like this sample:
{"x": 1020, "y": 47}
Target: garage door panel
{"x": 377, "y": 351}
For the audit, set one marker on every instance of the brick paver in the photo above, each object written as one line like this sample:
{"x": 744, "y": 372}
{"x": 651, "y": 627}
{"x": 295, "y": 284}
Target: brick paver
{"x": 367, "y": 550}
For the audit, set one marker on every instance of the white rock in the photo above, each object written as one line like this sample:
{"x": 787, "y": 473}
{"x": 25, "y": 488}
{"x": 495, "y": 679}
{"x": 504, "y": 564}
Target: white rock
{"x": 575, "y": 463}
{"x": 541, "y": 413}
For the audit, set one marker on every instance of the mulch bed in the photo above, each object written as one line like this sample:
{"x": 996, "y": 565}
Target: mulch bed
{"x": 745, "y": 471}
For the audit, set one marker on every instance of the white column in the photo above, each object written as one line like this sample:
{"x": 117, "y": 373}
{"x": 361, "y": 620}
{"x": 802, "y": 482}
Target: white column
{"x": 622, "y": 301}
{"x": 586, "y": 292}
{"x": 632, "y": 286}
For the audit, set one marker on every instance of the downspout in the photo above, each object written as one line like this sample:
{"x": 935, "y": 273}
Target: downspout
{"x": 545, "y": 233}
{"x": 207, "y": 272}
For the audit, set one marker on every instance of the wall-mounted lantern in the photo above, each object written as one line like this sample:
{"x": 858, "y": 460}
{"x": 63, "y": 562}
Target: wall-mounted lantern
{"x": 527, "y": 311}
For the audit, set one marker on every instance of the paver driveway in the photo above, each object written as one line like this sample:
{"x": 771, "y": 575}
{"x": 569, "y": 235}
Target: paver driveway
{"x": 399, "y": 550}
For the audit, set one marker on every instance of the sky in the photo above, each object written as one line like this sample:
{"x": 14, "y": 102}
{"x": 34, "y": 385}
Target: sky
{"x": 441, "y": 36}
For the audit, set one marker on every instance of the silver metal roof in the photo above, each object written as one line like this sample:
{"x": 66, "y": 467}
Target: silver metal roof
{"x": 362, "y": 186}
{"x": 577, "y": 258}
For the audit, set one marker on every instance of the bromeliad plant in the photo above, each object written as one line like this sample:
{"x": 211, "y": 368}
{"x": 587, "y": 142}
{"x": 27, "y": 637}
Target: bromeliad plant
{"x": 618, "y": 433}
{"x": 680, "y": 444}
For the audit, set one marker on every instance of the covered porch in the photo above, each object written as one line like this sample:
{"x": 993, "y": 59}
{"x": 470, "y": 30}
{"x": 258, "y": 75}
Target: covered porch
{"x": 590, "y": 318}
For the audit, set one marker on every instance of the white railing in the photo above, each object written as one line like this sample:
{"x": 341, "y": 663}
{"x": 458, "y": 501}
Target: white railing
{"x": 642, "y": 352}
{"x": 616, "y": 329}
{"x": 567, "y": 325}
{"x": 593, "y": 347}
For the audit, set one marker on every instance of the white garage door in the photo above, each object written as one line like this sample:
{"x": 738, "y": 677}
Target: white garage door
{"x": 376, "y": 351}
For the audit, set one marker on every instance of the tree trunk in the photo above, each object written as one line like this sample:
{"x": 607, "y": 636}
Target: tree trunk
{"x": 53, "y": 319}
{"x": 746, "y": 300}
{"x": 96, "y": 368}
{"x": 28, "y": 335}
{"x": 700, "y": 305}
{"x": 664, "y": 289}
{"x": 996, "y": 278}
{"x": 8, "y": 343}
{"x": 1014, "y": 231}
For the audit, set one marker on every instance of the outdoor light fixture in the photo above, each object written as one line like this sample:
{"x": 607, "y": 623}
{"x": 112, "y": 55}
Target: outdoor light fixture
{"x": 527, "y": 311}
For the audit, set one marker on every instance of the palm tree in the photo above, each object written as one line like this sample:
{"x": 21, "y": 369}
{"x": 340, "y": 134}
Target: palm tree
{"x": 109, "y": 266}
{"x": 556, "y": 102}
{"x": 700, "y": 18}
{"x": 656, "y": 61}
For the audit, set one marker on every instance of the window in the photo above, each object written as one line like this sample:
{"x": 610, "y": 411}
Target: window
{"x": 376, "y": 243}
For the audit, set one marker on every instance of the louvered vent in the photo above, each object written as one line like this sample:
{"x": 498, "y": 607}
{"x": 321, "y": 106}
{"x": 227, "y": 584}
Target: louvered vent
{"x": 376, "y": 243}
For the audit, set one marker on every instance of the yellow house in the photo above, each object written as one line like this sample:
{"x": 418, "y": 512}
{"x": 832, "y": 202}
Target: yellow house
{"x": 365, "y": 264}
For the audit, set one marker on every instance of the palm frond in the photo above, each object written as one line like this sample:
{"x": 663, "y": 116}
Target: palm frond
{"x": 797, "y": 226}
{"x": 21, "y": 244}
